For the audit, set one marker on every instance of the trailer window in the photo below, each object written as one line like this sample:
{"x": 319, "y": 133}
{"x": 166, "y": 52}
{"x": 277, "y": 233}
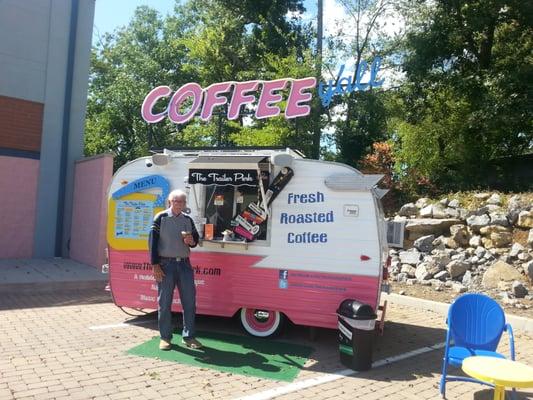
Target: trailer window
{"x": 224, "y": 203}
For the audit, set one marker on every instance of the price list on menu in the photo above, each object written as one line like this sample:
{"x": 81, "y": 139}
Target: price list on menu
{"x": 133, "y": 219}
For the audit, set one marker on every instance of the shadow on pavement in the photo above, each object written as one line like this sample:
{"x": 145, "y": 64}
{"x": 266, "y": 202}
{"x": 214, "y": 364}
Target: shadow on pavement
{"x": 13, "y": 301}
{"x": 399, "y": 338}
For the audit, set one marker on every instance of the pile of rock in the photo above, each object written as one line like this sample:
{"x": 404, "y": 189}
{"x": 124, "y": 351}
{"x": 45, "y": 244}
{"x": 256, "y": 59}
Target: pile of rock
{"x": 446, "y": 245}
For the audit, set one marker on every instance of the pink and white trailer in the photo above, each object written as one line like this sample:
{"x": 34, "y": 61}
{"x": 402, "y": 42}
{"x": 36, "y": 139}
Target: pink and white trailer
{"x": 270, "y": 248}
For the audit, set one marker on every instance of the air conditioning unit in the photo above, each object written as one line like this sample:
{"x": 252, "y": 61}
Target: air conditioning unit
{"x": 395, "y": 233}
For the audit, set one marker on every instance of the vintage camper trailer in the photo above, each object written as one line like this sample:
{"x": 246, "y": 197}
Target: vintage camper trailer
{"x": 281, "y": 236}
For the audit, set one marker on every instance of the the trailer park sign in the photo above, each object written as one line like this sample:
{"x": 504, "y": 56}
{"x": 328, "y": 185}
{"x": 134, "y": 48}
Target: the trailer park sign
{"x": 191, "y": 99}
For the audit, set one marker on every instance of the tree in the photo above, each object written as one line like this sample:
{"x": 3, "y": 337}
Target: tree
{"x": 246, "y": 40}
{"x": 467, "y": 99}
{"x": 360, "y": 118}
{"x": 205, "y": 42}
{"x": 124, "y": 67}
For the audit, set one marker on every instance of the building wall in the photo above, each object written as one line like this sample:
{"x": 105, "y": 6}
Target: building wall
{"x": 89, "y": 214}
{"x": 44, "y": 65}
{"x": 18, "y": 182}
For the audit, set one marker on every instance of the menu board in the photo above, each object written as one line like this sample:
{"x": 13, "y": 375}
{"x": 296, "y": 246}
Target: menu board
{"x": 130, "y": 219}
{"x": 133, "y": 219}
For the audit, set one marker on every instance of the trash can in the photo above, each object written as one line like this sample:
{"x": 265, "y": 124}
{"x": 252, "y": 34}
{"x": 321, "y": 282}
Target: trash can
{"x": 356, "y": 333}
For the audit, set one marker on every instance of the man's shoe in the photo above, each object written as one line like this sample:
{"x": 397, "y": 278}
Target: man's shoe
{"x": 192, "y": 343}
{"x": 165, "y": 344}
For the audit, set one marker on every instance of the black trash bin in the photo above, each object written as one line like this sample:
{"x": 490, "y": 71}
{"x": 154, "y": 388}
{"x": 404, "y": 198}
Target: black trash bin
{"x": 356, "y": 333}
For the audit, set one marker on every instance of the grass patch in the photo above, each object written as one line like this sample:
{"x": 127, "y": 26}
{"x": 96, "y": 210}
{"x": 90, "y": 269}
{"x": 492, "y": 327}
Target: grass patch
{"x": 243, "y": 355}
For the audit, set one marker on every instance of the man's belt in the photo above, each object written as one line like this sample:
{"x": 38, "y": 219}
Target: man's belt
{"x": 174, "y": 259}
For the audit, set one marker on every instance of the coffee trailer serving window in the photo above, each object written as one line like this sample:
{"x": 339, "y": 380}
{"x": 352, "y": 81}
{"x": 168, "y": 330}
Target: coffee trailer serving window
{"x": 226, "y": 186}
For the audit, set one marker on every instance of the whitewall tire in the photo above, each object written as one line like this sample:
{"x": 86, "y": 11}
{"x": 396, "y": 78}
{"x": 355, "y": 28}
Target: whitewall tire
{"x": 261, "y": 323}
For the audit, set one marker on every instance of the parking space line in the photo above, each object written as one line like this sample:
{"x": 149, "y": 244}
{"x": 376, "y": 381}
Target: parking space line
{"x": 121, "y": 325}
{"x": 307, "y": 383}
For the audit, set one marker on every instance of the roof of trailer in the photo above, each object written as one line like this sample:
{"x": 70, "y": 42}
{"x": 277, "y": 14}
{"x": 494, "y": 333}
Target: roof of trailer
{"x": 228, "y": 151}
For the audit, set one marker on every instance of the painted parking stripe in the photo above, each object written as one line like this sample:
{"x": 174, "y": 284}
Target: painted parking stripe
{"x": 307, "y": 383}
{"x": 121, "y": 325}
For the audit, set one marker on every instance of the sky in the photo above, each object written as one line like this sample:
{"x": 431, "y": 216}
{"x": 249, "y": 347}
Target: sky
{"x": 112, "y": 14}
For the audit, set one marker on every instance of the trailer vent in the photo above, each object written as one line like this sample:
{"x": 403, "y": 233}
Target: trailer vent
{"x": 395, "y": 233}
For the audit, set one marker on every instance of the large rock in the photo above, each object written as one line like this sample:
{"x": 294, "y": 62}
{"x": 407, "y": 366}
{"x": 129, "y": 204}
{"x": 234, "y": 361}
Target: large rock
{"x": 500, "y": 271}
{"x": 454, "y": 203}
{"x": 440, "y": 258}
{"x": 480, "y": 251}
{"x": 427, "y": 212}
{"x": 519, "y": 290}
{"x": 476, "y": 222}
{"x": 422, "y": 273}
{"x": 496, "y": 236}
{"x": 410, "y": 257}
{"x": 424, "y": 243}
{"x": 524, "y": 256}
{"x": 426, "y": 226}
{"x": 439, "y": 212}
{"x": 488, "y": 230}
{"x": 514, "y": 202}
{"x": 467, "y": 278}
{"x": 408, "y": 210}
{"x": 516, "y": 249}
{"x": 495, "y": 199}
{"x": 457, "y": 268}
{"x": 459, "y": 233}
{"x": 408, "y": 270}
{"x": 422, "y": 202}
{"x": 490, "y": 208}
{"x": 499, "y": 218}
{"x": 514, "y": 207}
{"x": 525, "y": 219}
{"x": 442, "y": 275}
{"x": 475, "y": 241}
{"x": 450, "y": 243}
{"x": 452, "y": 212}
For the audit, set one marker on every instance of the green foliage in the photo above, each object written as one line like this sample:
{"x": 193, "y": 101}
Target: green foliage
{"x": 464, "y": 99}
{"x": 359, "y": 119}
{"x": 205, "y": 42}
{"x": 364, "y": 123}
{"x": 467, "y": 98}
{"x": 124, "y": 68}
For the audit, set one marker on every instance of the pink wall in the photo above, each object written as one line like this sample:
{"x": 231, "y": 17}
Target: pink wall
{"x": 18, "y": 190}
{"x": 89, "y": 210}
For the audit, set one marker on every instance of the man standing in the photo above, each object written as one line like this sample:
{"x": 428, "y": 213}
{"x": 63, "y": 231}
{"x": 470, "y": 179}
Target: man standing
{"x": 171, "y": 237}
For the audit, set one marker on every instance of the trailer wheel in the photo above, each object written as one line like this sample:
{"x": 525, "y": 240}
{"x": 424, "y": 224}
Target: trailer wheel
{"x": 261, "y": 323}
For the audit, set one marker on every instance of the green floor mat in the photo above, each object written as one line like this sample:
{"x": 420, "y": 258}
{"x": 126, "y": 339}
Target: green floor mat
{"x": 243, "y": 355}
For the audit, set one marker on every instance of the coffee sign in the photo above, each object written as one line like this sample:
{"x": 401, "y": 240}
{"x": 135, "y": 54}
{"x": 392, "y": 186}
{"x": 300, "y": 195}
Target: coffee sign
{"x": 237, "y": 95}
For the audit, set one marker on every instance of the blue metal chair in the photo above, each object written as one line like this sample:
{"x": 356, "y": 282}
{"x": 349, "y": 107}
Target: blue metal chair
{"x": 475, "y": 326}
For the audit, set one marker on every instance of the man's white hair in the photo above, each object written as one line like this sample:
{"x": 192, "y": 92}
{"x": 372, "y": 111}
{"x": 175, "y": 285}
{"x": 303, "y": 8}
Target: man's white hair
{"x": 177, "y": 193}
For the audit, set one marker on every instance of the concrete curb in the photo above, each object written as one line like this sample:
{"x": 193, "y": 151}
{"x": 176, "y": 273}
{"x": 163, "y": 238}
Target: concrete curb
{"x": 518, "y": 323}
{"x": 48, "y": 275}
{"x": 48, "y": 287}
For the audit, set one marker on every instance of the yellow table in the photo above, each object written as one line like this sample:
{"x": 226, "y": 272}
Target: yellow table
{"x": 500, "y": 372}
